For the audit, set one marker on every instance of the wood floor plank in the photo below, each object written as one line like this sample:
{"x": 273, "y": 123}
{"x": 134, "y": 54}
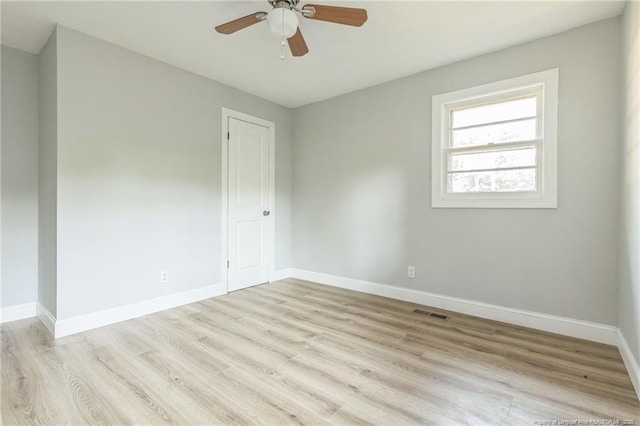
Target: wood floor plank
{"x": 264, "y": 405}
{"x": 87, "y": 392}
{"x": 295, "y": 352}
{"x": 129, "y": 382}
{"x": 21, "y": 384}
{"x": 203, "y": 388}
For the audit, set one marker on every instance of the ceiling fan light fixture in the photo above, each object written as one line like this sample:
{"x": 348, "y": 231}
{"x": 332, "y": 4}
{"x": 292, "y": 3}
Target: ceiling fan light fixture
{"x": 283, "y": 23}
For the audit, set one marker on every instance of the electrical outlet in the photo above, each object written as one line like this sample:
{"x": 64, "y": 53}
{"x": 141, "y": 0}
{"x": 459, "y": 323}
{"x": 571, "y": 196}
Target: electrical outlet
{"x": 411, "y": 271}
{"x": 164, "y": 276}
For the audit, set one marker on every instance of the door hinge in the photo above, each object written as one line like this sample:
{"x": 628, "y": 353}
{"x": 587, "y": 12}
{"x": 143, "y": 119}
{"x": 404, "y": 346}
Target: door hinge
{"x": 228, "y": 135}
{"x": 227, "y": 264}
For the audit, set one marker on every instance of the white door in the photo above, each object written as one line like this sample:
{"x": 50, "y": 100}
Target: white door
{"x": 249, "y": 209}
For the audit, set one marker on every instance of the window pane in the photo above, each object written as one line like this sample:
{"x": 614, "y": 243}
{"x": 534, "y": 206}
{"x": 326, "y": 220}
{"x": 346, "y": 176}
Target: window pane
{"x": 522, "y": 180}
{"x": 501, "y": 159}
{"x": 495, "y": 133}
{"x": 490, "y": 113}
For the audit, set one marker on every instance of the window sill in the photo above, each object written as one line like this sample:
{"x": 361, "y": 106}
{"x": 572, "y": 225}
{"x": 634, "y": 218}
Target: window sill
{"x": 468, "y": 203}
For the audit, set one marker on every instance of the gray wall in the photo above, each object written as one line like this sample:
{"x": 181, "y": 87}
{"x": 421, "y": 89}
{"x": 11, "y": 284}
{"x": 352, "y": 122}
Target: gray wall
{"x": 19, "y": 177}
{"x": 47, "y": 176}
{"x": 362, "y": 165}
{"x": 629, "y": 308}
{"x": 139, "y": 175}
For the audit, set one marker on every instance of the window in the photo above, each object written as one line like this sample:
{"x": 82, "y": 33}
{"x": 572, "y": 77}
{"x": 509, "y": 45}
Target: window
{"x": 494, "y": 146}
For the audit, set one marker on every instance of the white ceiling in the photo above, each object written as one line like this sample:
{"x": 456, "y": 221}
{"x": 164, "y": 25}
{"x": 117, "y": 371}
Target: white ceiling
{"x": 399, "y": 39}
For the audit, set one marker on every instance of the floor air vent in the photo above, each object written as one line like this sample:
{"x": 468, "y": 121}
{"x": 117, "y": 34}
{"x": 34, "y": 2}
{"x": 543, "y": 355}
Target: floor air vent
{"x": 439, "y": 316}
{"x": 430, "y": 314}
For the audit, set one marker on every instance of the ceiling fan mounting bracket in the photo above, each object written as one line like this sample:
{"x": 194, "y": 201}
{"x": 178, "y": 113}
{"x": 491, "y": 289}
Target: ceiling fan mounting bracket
{"x": 284, "y": 4}
{"x": 306, "y": 11}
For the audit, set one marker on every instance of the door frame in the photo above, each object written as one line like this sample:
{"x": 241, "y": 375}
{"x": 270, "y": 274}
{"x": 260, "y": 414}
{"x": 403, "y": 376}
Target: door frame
{"x": 224, "y": 208}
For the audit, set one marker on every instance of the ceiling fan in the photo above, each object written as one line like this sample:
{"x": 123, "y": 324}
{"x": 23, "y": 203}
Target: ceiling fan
{"x": 283, "y": 21}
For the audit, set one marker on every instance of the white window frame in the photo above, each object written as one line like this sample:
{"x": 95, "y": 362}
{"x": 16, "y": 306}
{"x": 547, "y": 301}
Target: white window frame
{"x": 545, "y": 84}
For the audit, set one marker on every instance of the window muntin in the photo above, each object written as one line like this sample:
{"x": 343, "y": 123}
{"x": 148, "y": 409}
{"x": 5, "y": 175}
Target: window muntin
{"x": 510, "y": 131}
{"x": 509, "y": 180}
{"x": 505, "y": 158}
{"x": 508, "y": 109}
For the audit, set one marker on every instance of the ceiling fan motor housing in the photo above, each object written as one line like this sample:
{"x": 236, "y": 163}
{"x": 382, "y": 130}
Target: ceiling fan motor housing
{"x": 283, "y": 21}
{"x": 289, "y": 4}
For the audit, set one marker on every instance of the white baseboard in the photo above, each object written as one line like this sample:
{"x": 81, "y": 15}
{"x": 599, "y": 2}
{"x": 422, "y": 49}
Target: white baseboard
{"x": 551, "y": 323}
{"x": 280, "y": 274}
{"x": 68, "y": 326}
{"x": 630, "y": 362}
{"x": 46, "y": 318}
{"x": 17, "y": 312}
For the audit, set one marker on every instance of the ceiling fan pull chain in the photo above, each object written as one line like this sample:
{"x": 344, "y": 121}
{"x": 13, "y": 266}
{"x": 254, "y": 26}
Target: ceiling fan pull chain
{"x": 282, "y": 43}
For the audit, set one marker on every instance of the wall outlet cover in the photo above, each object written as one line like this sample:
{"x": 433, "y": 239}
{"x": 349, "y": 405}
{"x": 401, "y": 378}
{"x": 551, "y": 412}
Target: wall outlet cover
{"x": 411, "y": 271}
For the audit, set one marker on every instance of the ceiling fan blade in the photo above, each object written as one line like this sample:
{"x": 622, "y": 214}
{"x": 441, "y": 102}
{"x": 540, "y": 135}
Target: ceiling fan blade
{"x": 241, "y": 23}
{"x": 297, "y": 44}
{"x": 338, "y": 15}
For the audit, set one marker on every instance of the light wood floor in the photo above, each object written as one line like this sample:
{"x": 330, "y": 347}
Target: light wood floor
{"x": 294, "y": 352}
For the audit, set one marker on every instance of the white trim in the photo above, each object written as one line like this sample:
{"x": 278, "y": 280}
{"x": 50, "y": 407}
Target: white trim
{"x": 552, "y": 323}
{"x": 81, "y": 323}
{"x": 546, "y": 83}
{"x": 630, "y": 362}
{"x": 224, "y": 199}
{"x": 281, "y": 274}
{"x": 46, "y": 318}
{"x": 17, "y": 312}
{"x": 224, "y": 159}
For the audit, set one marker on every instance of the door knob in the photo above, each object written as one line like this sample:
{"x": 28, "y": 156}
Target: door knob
{"x": 266, "y": 213}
